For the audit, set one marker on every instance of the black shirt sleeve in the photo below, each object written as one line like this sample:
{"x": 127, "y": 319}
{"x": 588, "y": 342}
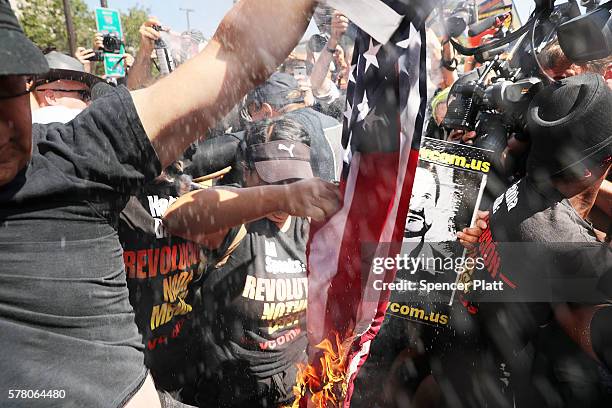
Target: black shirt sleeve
{"x": 105, "y": 146}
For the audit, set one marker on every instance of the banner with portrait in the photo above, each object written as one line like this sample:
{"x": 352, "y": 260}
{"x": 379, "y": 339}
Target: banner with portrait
{"x": 449, "y": 183}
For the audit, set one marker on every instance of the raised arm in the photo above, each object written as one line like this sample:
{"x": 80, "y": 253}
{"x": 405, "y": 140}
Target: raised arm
{"x": 321, "y": 67}
{"x": 251, "y": 42}
{"x": 140, "y": 73}
{"x": 199, "y": 214}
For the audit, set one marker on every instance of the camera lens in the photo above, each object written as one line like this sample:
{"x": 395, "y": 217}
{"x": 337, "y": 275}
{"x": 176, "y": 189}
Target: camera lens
{"x": 317, "y": 42}
{"x": 111, "y": 44}
{"x": 457, "y": 23}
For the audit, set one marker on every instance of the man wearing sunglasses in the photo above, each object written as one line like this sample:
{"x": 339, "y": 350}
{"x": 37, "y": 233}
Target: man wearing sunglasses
{"x": 64, "y": 91}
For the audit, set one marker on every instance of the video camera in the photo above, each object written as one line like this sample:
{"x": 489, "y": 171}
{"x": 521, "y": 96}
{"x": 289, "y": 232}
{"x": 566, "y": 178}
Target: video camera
{"x": 588, "y": 37}
{"x": 494, "y": 110}
{"x": 111, "y": 43}
{"x": 317, "y": 42}
{"x": 493, "y": 100}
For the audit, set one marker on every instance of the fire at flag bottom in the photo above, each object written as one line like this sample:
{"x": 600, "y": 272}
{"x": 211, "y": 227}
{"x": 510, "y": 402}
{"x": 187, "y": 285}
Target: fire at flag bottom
{"x": 383, "y": 121}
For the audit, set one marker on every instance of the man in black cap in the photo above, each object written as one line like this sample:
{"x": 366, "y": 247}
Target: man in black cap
{"x": 64, "y": 91}
{"x": 280, "y": 95}
{"x": 64, "y": 311}
{"x": 559, "y": 284}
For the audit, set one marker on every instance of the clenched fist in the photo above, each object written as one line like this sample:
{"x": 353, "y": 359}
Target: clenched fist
{"x": 312, "y": 198}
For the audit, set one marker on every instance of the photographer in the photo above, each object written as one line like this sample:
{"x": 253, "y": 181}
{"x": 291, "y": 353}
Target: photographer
{"x": 140, "y": 75}
{"x": 85, "y": 56}
{"x": 566, "y": 167}
{"x": 106, "y": 43}
{"x": 64, "y": 307}
{"x": 558, "y": 66}
{"x": 322, "y": 85}
{"x": 329, "y": 88}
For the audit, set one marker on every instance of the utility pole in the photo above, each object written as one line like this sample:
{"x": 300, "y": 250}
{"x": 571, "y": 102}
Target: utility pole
{"x": 69, "y": 27}
{"x": 104, "y": 3}
{"x": 187, "y": 11}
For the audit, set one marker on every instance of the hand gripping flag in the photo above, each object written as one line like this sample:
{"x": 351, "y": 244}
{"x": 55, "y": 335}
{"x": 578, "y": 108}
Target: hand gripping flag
{"x": 383, "y": 121}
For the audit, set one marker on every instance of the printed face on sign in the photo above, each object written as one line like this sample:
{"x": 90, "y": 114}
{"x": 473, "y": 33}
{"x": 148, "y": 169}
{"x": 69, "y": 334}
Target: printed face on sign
{"x": 422, "y": 202}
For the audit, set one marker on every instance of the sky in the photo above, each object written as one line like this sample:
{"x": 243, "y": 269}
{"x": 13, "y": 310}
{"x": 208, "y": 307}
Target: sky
{"x": 208, "y": 13}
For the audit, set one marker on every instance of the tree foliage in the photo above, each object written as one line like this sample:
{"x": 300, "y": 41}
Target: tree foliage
{"x": 44, "y": 23}
{"x": 131, "y": 22}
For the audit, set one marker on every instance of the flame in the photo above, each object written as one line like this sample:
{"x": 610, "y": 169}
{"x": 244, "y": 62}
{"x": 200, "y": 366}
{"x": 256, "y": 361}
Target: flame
{"x": 329, "y": 388}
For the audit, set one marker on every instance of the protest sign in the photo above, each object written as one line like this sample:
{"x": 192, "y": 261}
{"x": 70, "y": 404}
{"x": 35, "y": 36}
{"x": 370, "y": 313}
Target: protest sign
{"x": 108, "y": 22}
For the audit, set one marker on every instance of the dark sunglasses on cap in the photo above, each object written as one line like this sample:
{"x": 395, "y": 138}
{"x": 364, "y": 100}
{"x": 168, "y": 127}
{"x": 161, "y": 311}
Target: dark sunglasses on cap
{"x": 85, "y": 94}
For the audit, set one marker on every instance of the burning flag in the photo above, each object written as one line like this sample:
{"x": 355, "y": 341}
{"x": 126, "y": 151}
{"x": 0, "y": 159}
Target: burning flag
{"x": 327, "y": 386}
{"x": 384, "y": 117}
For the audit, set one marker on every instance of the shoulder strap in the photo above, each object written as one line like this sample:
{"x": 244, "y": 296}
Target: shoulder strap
{"x": 232, "y": 246}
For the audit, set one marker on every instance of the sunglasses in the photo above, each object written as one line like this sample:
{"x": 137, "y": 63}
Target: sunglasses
{"x": 85, "y": 94}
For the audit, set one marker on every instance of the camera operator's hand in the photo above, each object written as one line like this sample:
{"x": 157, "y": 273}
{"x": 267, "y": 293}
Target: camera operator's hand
{"x": 461, "y": 136}
{"x": 148, "y": 35}
{"x": 98, "y": 41}
{"x": 312, "y": 198}
{"x": 140, "y": 71}
{"x": 83, "y": 54}
{"x": 339, "y": 25}
{"x": 129, "y": 60}
{"x": 468, "y": 237}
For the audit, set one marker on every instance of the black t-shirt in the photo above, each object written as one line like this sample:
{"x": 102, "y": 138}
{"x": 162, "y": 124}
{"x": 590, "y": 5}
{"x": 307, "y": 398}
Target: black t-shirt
{"x": 544, "y": 253}
{"x": 65, "y": 316}
{"x": 162, "y": 274}
{"x": 255, "y": 305}
{"x": 557, "y": 251}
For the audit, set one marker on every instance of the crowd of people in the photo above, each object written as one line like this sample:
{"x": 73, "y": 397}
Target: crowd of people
{"x": 154, "y": 253}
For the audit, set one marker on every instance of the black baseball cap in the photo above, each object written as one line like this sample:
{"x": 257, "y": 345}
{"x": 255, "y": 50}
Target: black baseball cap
{"x": 62, "y": 66}
{"x": 570, "y": 123}
{"x": 279, "y": 90}
{"x": 280, "y": 160}
{"x": 18, "y": 55}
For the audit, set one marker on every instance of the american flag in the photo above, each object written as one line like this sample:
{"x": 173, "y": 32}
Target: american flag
{"x": 384, "y": 117}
